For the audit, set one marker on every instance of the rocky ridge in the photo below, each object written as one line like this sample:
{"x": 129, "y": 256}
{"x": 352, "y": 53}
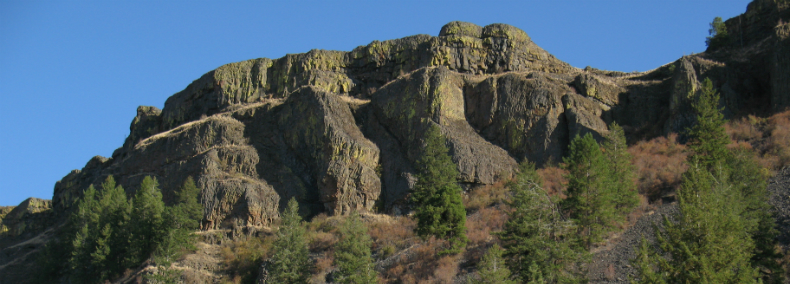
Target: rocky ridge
{"x": 339, "y": 131}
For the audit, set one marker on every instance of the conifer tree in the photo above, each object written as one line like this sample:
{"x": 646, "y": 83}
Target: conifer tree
{"x": 147, "y": 224}
{"x": 352, "y": 253}
{"x": 709, "y": 139}
{"x": 722, "y": 207}
{"x": 290, "y": 262}
{"x": 116, "y": 211}
{"x": 436, "y": 195}
{"x": 84, "y": 221}
{"x": 492, "y": 268}
{"x": 540, "y": 246}
{"x": 708, "y": 243}
{"x": 622, "y": 175}
{"x": 182, "y": 219}
{"x": 590, "y": 199}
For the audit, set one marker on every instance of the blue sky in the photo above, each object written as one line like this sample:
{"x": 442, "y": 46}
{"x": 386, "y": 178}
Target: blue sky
{"x": 72, "y": 73}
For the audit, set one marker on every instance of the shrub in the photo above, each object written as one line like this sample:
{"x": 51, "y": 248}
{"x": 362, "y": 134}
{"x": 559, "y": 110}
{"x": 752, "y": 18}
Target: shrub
{"x": 659, "y": 163}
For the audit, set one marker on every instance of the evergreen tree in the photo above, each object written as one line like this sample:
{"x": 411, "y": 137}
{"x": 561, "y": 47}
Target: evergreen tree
{"x": 352, "y": 253}
{"x": 722, "y": 207}
{"x": 709, "y": 139}
{"x": 622, "y": 175}
{"x": 540, "y": 246}
{"x": 182, "y": 219}
{"x": 437, "y": 197}
{"x": 718, "y": 34}
{"x": 750, "y": 179}
{"x": 82, "y": 241}
{"x": 147, "y": 228}
{"x": 590, "y": 198}
{"x": 290, "y": 262}
{"x": 492, "y": 268}
{"x": 709, "y": 242}
{"x": 116, "y": 211}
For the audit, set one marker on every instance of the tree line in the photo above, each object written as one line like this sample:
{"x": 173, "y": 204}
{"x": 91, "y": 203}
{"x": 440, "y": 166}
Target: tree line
{"x": 107, "y": 233}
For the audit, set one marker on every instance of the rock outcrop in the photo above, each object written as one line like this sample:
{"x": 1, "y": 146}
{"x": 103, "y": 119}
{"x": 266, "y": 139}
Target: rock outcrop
{"x": 340, "y": 131}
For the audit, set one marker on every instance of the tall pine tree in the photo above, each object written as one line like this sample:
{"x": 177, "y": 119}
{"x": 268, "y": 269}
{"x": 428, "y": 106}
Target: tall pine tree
{"x": 621, "y": 171}
{"x": 436, "y": 195}
{"x": 540, "y": 246}
{"x": 352, "y": 253}
{"x": 590, "y": 198}
{"x": 148, "y": 224}
{"x": 722, "y": 213}
{"x": 290, "y": 262}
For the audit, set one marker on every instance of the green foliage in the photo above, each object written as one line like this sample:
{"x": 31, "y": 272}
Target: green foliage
{"x": 352, "y": 254}
{"x": 718, "y": 34}
{"x": 492, "y": 268}
{"x": 148, "y": 226}
{"x": 708, "y": 243}
{"x": 540, "y": 246}
{"x": 723, "y": 233}
{"x": 750, "y": 179}
{"x": 590, "y": 197}
{"x": 290, "y": 262}
{"x": 709, "y": 139}
{"x": 180, "y": 222}
{"x": 439, "y": 207}
{"x": 106, "y": 233}
{"x": 622, "y": 172}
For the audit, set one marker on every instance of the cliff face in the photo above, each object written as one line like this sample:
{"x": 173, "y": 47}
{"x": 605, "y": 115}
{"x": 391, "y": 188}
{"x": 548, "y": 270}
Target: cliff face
{"x": 340, "y": 131}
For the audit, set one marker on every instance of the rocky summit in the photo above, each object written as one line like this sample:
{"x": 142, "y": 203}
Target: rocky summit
{"x": 340, "y": 131}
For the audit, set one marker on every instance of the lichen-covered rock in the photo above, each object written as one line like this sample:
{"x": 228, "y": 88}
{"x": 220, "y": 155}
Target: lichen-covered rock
{"x": 407, "y": 107}
{"x": 30, "y": 217}
{"x": 520, "y": 112}
{"x": 240, "y": 82}
{"x": 584, "y": 115}
{"x": 599, "y": 88}
{"x": 320, "y": 128}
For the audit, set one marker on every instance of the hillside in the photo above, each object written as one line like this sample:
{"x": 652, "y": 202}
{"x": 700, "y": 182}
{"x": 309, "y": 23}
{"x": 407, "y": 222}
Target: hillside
{"x": 341, "y": 131}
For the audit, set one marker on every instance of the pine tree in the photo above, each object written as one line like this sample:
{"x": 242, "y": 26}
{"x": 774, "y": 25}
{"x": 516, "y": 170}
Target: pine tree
{"x": 492, "y": 268}
{"x": 83, "y": 222}
{"x": 290, "y": 262}
{"x": 147, "y": 224}
{"x": 721, "y": 203}
{"x": 709, "y": 242}
{"x": 436, "y": 195}
{"x": 718, "y": 34}
{"x": 116, "y": 211}
{"x": 590, "y": 199}
{"x": 622, "y": 175}
{"x": 352, "y": 253}
{"x": 709, "y": 139}
{"x": 540, "y": 246}
{"x": 749, "y": 178}
{"x": 182, "y": 219}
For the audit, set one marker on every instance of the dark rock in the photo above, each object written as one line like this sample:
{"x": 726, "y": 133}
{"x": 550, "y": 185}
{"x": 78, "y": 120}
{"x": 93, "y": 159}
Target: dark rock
{"x": 319, "y": 127}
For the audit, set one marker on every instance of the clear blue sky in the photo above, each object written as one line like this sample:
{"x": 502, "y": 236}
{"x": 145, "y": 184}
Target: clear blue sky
{"x": 72, "y": 73}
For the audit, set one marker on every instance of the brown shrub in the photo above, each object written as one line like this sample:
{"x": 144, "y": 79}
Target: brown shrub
{"x": 396, "y": 233}
{"x": 778, "y": 142}
{"x": 485, "y": 196}
{"x": 321, "y": 241}
{"x": 745, "y": 129}
{"x": 659, "y": 163}
{"x": 554, "y": 180}
{"x": 243, "y": 257}
{"x": 482, "y": 223}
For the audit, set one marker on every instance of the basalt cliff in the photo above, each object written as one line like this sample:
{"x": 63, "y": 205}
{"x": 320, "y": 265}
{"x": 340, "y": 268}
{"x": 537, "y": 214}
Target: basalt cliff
{"x": 340, "y": 131}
